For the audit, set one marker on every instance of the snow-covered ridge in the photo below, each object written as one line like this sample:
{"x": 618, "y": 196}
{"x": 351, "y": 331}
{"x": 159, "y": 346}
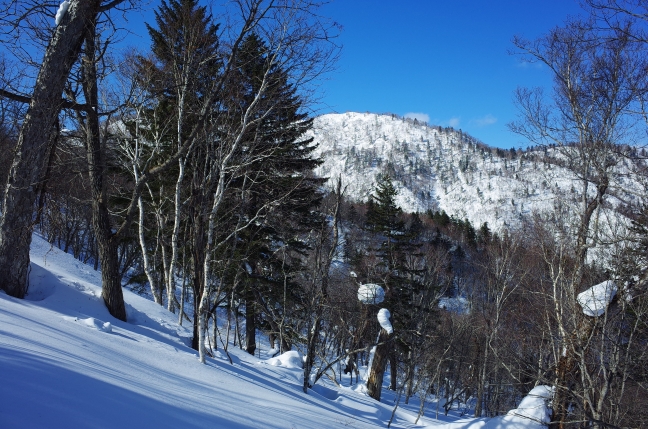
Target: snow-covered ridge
{"x": 442, "y": 168}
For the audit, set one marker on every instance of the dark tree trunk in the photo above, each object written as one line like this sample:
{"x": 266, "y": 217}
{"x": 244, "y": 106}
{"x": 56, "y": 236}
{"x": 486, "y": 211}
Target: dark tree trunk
{"x": 250, "y": 322}
{"x": 198, "y": 255}
{"x": 33, "y": 148}
{"x": 194, "y": 339}
{"x": 409, "y": 377}
{"x": 272, "y": 339}
{"x": 111, "y": 288}
{"x": 106, "y": 239}
{"x": 393, "y": 370}
{"x": 378, "y": 366}
{"x": 51, "y": 144}
{"x": 313, "y": 335}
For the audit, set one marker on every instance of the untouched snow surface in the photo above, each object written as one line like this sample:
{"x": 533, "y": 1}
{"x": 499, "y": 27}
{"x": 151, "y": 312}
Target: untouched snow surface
{"x": 66, "y": 363}
{"x": 291, "y": 359}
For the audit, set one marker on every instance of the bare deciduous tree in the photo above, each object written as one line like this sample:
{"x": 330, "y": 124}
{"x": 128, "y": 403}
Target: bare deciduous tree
{"x": 34, "y": 145}
{"x": 598, "y": 84}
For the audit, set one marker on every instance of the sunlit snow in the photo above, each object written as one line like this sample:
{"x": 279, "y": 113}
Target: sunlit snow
{"x": 596, "y": 299}
{"x": 289, "y": 359}
{"x": 371, "y": 294}
{"x": 383, "y": 319}
{"x": 60, "y": 13}
{"x": 67, "y": 363}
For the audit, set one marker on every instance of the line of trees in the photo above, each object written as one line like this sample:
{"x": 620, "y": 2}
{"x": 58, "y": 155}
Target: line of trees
{"x": 599, "y": 69}
{"x": 221, "y": 111}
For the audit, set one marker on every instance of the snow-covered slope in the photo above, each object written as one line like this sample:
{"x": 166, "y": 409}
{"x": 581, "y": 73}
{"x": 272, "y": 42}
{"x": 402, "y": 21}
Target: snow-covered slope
{"x": 442, "y": 168}
{"x": 66, "y": 363}
{"x": 61, "y": 368}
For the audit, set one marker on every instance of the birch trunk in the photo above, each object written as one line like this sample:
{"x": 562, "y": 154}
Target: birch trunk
{"x": 148, "y": 270}
{"x": 219, "y": 170}
{"x": 170, "y": 277}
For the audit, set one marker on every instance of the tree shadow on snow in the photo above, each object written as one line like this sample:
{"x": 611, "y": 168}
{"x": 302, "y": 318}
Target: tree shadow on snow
{"x": 36, "y": 392}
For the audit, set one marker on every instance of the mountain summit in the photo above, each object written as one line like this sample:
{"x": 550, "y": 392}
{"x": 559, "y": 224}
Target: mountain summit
{"x": 436, "y": 168}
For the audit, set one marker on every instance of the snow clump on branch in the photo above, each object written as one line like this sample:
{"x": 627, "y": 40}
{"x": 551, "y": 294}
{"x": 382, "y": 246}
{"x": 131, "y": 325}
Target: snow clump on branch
{"x": 60, "y": 13}
{"x": 371, "y": 294}
{"x": 596, "y": 299}
{"x": 534, "y": 407}
{"x": 383, "y": 319}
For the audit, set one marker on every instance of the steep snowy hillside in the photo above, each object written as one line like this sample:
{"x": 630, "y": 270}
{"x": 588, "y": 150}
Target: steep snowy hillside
{"x": 442, "y": 168}
{"x": 66, "y": 363}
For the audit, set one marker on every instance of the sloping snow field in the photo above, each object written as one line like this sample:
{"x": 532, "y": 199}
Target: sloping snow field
{"x": 66, "y": 363}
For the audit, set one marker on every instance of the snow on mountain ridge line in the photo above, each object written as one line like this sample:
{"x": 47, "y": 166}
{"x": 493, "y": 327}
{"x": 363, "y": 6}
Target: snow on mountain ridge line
{"x": 443, "y": 168}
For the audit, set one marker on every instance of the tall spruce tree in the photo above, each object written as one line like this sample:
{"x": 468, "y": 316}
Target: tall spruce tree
{"x": 383, "y": 219}
{"x": 279, "y": 184}
{"x": 394, "y": 243}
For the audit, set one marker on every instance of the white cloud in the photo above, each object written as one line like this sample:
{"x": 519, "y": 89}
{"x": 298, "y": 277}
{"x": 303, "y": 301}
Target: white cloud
{"x": 454, "y": 122}
{"x": 525, "y": 64}
{"x": 423, "y": 117}
{"x": 485, "y": 120}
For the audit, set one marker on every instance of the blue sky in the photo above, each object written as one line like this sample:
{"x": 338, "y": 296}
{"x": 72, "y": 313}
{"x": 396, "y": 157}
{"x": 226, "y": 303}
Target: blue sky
{"x": 447, "y": 60}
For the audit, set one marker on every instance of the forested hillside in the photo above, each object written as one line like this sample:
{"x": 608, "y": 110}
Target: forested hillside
{"x": 437, "y": 168}
{"x": 193, "y": 174}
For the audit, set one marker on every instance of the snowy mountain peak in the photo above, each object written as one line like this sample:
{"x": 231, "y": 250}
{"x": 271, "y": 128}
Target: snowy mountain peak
{"x": 441, "y": 168}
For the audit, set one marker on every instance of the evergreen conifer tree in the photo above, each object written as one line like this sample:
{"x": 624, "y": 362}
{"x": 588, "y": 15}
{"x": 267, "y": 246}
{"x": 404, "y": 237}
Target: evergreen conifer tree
{"x": 395, "y": 244}
{"x": 185, "y": 61}
{"x": 278, "y": 183}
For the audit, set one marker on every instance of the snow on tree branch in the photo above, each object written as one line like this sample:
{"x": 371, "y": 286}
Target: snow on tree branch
{"x": 371, "y": 294}
{"x": 597, "y": 298}
{"x": 383, "y": 319}
{"x": 60, "y": 13}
